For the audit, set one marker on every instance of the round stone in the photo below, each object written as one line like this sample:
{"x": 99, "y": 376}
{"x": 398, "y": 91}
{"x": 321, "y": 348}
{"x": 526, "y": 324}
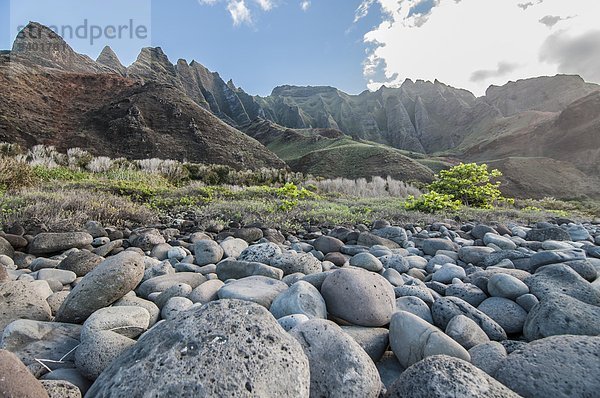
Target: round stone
{"x": 507, "y": 286}
{"x": 508, "y": 314}
{"x": 300, "y": 298}
{"x": 207, "y": 252}
{"x": 366, "y": 261}
{"x": 359, "y": 297}
{"x": 466, "y": 332}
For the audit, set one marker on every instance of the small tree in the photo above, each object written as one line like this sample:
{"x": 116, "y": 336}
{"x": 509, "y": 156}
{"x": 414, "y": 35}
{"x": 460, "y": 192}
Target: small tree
{"x": 468, "y": 184}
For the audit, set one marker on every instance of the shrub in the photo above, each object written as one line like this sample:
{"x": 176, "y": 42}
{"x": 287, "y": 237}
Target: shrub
{"x": 470, "y": 184}
{"x": 432, "y": 202}
{"x": 15, "y": 174}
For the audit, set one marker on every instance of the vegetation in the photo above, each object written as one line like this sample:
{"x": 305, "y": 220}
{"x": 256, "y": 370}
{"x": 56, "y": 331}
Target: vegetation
{"x": 465, "y": 184}
{"x": 44, "y": 189}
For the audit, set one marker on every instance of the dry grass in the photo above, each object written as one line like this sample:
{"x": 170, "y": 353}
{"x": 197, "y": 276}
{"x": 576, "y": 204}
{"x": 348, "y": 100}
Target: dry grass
{"x": 378, "y": 187}
{"x": 15, "y": 174}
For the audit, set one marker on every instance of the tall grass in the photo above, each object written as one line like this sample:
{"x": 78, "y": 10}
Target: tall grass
{"x": 378, "y": 187}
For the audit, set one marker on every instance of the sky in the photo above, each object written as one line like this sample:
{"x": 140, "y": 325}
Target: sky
{"x": 350, "y": 44}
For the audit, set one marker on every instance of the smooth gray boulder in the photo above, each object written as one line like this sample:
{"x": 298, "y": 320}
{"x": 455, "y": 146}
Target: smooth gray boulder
{"x": 81, "y": 262}
{"x": 98, "y": 350}
{"x": 474, "y": 254}
{"x": 258, "y": 289}
{"x": 163, "y": 282}
{"x": 559, "y": 314}
{"x": 131, "y": 301}
{"x": 442, "y": 376}
{"x": 223, "y": 348}
{"x": 415, "y": 306}
{"x": 558, "y": 367}
{"x": 413, "y": 339}
{"x": 105, "y": 284}
{"x": 291, "y": 262}
{"x": 207, "y": 252}
{"x": 300, "y": 298}
{"x": 468, "y": 292}
{"x": 234, "y": 269}
{"x": 507, "y": 286}
{"x": 466, "y": 332}
{"x": 508, "y": 314}
{"x": 366, "y": 261}
{"x": 488, "y": 356}
{"x": 547, "y": 257}
{"x": 48, "y": 242}
{"x": 359, "y": 297}
{"x": 339, "y": 367}
{"x": 560, "y": 278}
{"x": 206, "y": 292}
{"x": 233, "y": 247}
{"x": 433, "y": 245}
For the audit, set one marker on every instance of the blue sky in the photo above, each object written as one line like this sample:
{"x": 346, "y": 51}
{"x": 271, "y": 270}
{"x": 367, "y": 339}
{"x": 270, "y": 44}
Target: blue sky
{"x": 349, "y": 44}
{"x": 318, "y": 45}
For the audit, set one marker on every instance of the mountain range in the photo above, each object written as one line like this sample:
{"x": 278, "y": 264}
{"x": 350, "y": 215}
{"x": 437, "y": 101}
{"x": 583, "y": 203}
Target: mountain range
{"x": 543, "y": 133}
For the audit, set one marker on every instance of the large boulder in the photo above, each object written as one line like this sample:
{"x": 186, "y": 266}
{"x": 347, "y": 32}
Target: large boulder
{"x": 441, "y": 376}
{"x": 413, "y": 339}
{"x": 359, "y": 297}
{"x": 224, "y": 348}
{"x": 559, "y": 314}
{"x": 20, "y": 300}
{"x": 231, "y": 268}
{"x": 560, "y": 278}
{"x": 291, "y": 262}
{"x": 258, "y": 289}
{"x": 81, "y": 262}
{"x": 48, "y": 242}
{"x": 339, "y": 367}
{"x": 558, "y": 367}
{"x": 105, "y": 284}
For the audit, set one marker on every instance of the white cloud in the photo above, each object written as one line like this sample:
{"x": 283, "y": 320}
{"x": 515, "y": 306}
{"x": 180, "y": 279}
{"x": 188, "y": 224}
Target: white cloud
{"x": 473, "y": 43}
{"x": 240, "y": 13}
{"x": 266, "y": 5}
{"x": 305, "y": 5}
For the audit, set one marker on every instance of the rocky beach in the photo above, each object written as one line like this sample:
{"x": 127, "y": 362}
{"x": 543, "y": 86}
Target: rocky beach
{"x": 452, "y": 309}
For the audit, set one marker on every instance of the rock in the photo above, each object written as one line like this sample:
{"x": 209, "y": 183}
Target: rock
{"x": 43, "y": 263}
{"x": 301, "y": 298}
{"x": 6, "y": 248}
{"x": 507, "y": 286}
{"x": 551, "y": 233}
{"x": 520, "y": 259}
{"x": 207, "y": 252}
{"x": 233, "y": 247}
{"x": 560, "y": 366}
{"x": 368, "y": 239}
{"x": 327, "y": 244}
{"x": 559, "y": 314}
{"x": 258, "y": 289}
{"x": 80, "y": 262}
{"x": 146, "y": 238}
{"x": 291, "y": 321}
{"x": 234, "y": 269}
{"x": 447, "y": 377}
{"x": 415, "y": 290}
{"x": 261, "y": 253}
{"x": 366, "y": 261}
{"x": 389, "y": 369}
{"x": 62, "y": 276}
{"x": 161, "y": 251}
{"x": 19, "y": 300}
{"x": 578, "y": 232}
{"x": 61, "y": 389}
{"x": 554, "y": 257}
{"x": 374, "y": 341}
{"x": 98, "y": 350}
{"x": 415, "y": 306}
{"x": 413, "y": 339}
{"x": 468, "y": 292}
{"x": 208, "y": 351}
{"x": 16, "y": 381}
{"x": 466, "y": 332}
{"x": 206, "y": 292}
{"x": 559, "y": 278}
{"x": 339, "y": 367}
{"x": 474, "y": 254}
{"x": 4, "y": 277}
{"x": 359, "y": 297}
{"x": 396, "y": 262}
{"x": 110, "y": 247}
{"x": 177, "y": 290}
{"x": 527, "y": 301}
{"x": 129, "y": 321}
{"x": 488, "y": 356}
{"x": 174, "y": 306}
{"x": 585, "y": 268}
{"x": 508, "y": 314}
{"x": 248, "y": 234}
{"x": 395, "y": 234}
{"x": 35, "y": 340}
{"x": 56, "y": 299}
{"x": 446, "y": 308}
{"x": 163, "y": 282}
{"x": 480, "y": 230}
{"x": 500, "y": 241}
{"x": 448, "y": 272}
{"x": 433, "y": 245}
{"x": 105, "y": 284}
{"x": 46, "y": 242}
{"x": 290, "y": 263}
{"x": 129, "y": 301}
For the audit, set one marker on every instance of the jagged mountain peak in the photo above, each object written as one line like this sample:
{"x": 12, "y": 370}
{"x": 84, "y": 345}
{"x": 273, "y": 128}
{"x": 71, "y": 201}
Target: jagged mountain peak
{"x": 110, "y": 59}
{"x": 39, "y": 45}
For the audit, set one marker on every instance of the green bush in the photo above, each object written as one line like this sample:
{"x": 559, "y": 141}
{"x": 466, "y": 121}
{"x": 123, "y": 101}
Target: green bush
{"x": 432, "y": 202}
{"x": 469, "y": 183}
